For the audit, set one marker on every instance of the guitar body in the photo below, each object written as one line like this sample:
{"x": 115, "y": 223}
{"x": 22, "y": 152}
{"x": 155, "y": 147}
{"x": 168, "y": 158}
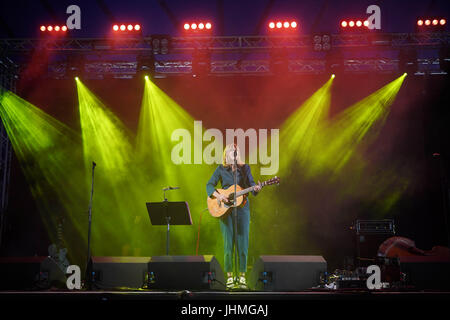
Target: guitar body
{"x": 217, "y": 208}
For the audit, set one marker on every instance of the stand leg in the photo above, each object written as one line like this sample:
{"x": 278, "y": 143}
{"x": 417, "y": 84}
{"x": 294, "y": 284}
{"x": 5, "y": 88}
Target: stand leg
{"x": 167, "y": 238}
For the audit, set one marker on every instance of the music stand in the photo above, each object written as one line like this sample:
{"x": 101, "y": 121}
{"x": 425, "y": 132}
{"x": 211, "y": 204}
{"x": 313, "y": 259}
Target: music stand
{"x": 169, "y": 213}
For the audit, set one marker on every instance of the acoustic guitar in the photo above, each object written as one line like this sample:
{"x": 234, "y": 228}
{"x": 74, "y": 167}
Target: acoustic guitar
{"x": 218, "y": 208}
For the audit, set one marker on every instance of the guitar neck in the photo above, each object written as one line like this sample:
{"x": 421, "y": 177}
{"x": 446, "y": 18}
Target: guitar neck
{"x": 245, "y": 191}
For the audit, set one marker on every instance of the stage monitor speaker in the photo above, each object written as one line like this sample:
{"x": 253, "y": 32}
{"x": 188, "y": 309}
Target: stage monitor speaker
{"x": 426, "y": 272}
{"x": 185, "y": 273}
{"x": 115, "y": 272}
{"x": 29, "y": 273}
{"x": 286, "y": 273}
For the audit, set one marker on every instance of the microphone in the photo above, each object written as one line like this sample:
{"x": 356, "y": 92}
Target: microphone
{"x": 93, "y": 164}
{"x": 170, "y": 188}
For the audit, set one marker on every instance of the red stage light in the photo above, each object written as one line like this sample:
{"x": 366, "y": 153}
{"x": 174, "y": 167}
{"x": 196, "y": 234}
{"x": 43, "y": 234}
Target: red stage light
{"x": 279, "y": 25}
{"x": 130, "y": 27}
{"x": 49, "y": 28}
{"x": 208, "y": 25}
{"x": 344, "y": 24}
{"x": 420, "y": 22}
{"x": 286, "y": 24}
{"x": 115, "y": 27}
{"x": 57, "y": 28}
{"x": 201, "y": 26}
{"x": 122, "y": 27}
{"x": 64, "y": 28}
{"x": 358, "y": 23}
{"x": 427, "y": 22}
{"x": 366, "y": 23}
{"x": 351, "y": 23}
{"x": 194, "y": 26}
{"x": 186, "y": 26}
{"x": 442, "y": 22}
{"x": 293, "y": 24}
{"x": 137, "y": 27}
{"x": 272, "y": 25}
{"x": 435, "y": 22}
{"x": 42, "y": 28}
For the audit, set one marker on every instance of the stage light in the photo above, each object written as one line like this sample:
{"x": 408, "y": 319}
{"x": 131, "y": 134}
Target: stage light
{"x": 76, "y": 78}
{"x": 344, "y": 24}
{"x": 351, "y": 23}
{"x": 442, "y": 22}
{"x": 420, "y": 22}
{"x": 435, "y": 22}
{"x": 57, "y": 28}
{"x": 358, "y": 23}
{"x": 122, "y": 27}
{"x": 194, "y": 26}
{"x": 208, "y": 26}
{"x": 366, "y": 23}
{"x": 42, "y": 28}
{"x": 427, "y": 22}
{"x": 293, "y": 24}
{"x": 137, "y": 27}
{"x": 146, "y": 77}
{"x": 405, "y": 74}
{"x": 64, "y": 28}
{"x": 186, "y": 26}
{"x": 201, "y": 26}
{"x": 333, "y": 76}
{"x": 279, "y": 25}
{"x": 115, "y": 27}
{"x": 49, "y": 28}
{"x": 272, "y": 25}
{"x": 286, "y": 24}
{"x": 130, "y": 27}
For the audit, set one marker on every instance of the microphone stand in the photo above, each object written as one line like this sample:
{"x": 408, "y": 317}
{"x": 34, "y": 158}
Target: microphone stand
{"x": 89, "y": 264}
{"x": 236, "y": 281}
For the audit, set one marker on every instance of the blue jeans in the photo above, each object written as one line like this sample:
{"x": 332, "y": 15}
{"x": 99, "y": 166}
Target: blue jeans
{"x": 227, "y": 228}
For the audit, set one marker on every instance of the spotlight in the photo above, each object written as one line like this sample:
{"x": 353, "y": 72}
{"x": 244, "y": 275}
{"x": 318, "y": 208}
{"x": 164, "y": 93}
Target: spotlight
{"x": 420, "y": 22}
{"x": 271, "y": 25}
{"x": 344, "y": 24}
{"x": 186, "y": 26}
{"x": 279, "y": 25}
{"x": 351, "y": 23}
{"x": 286, "y": 24}
{"x": 57, "y": 28}
{"x": 194, "y": 26}
{"x": 427, "y": 22}
{"x": 333, "y": 76}
{"x": 208, "y": 26}
{"x": 366, "y": 23}
{"x": 42, "y": 28}
{"x": 435, "y": 22}
{"x": 116, "y": 27}
{"x": 76, "y": 79}
{"x": 293, "y": 24}
{"x": 358, "y": 23}
{"x": 442, "y": 22}
{"x": 137, "y": 27}
{"x": 146, "y": 77}
{"x": 130, "y": 27}
{"x": 201, "y": 26}
{"x": 405, "y": 74}
{"x": 49, "y": 28}
{"x": 64, "y": 28}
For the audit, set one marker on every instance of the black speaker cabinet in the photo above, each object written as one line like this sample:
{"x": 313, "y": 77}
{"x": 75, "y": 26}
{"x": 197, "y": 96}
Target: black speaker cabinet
{"x": 114, "y": 272}
{"x": 286, "y": 273}
{"x": 185, "y": 273}
{"x": 25, "y": 273}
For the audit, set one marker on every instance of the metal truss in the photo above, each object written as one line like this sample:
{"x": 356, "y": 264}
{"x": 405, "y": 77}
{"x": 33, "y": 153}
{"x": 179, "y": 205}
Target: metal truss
{"x": 8, "y": 78}
{"x": 120, "y": 57}
{"x": 229, "y": 43}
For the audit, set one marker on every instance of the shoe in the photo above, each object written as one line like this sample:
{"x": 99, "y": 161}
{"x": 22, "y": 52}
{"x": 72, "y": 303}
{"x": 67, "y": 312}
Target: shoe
{"x": 242, "y": 283}
{"x": 230, "y": 283}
